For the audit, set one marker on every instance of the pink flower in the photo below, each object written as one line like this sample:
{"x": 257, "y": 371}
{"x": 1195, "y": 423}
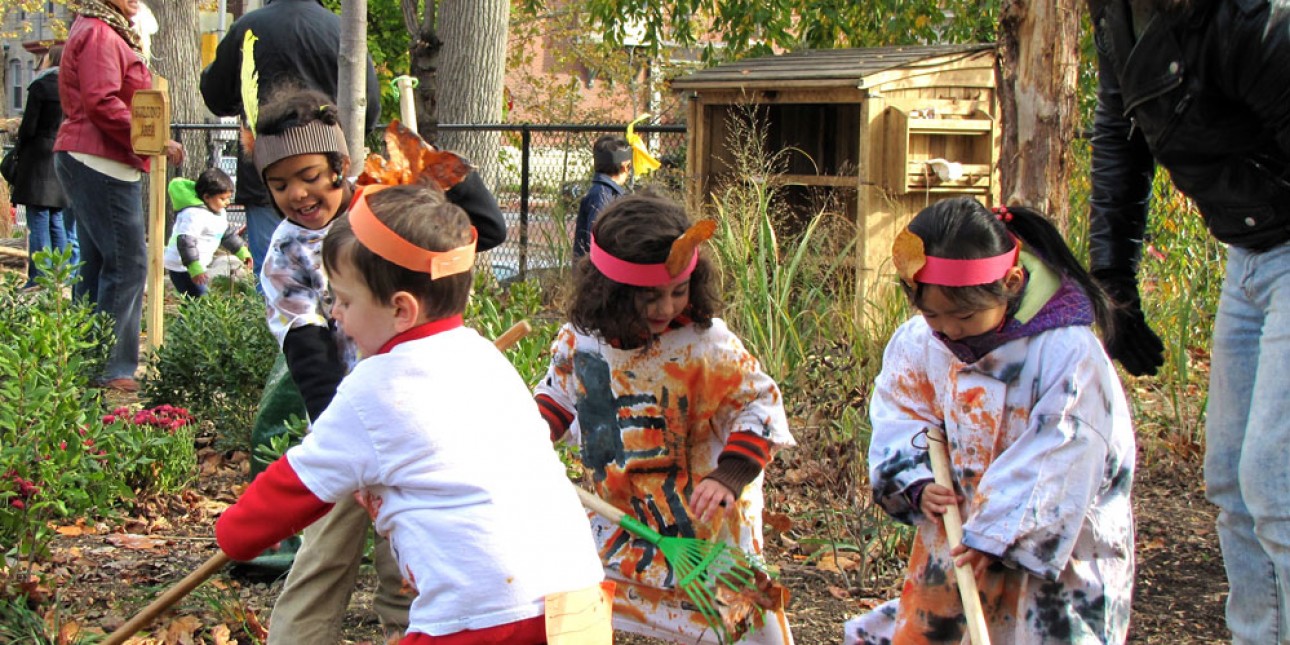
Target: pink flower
{"x": 62, "y": 445}
{"x": 17, "y": 503}
{"x": 89, "y": 443}
{"x": 108, "y": 419}
{"x": 121, "y": 411}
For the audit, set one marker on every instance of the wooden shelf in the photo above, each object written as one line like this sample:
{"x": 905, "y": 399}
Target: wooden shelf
{"x": 967, "y": 139}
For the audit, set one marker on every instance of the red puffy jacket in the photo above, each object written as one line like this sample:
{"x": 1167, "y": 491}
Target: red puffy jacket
{"x": 97, "y": 79}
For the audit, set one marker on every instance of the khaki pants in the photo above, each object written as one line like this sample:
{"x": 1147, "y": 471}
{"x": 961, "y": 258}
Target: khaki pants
{"x": 316, "y": 594}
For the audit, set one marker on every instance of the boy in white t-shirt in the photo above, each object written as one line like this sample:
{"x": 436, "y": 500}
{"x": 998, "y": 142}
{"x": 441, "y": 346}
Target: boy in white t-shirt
{"x": 435, "y": 434}
{"x": 201, "y": 227}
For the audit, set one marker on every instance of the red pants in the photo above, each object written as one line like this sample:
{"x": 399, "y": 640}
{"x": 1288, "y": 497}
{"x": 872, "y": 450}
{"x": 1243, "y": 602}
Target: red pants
{"x": 531, "y": 631}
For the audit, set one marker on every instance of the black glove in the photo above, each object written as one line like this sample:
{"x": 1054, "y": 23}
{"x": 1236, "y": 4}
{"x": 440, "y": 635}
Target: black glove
{"x": 1137, "y": 348}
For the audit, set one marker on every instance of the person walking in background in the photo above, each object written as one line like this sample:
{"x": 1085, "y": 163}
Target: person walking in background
{"x": 201, "y": 227}
{"x": 1200, "y": 87}
{"x": 101, "y": 70}
{"x": 296, "y": 42}
{"x": 35, "y": 185}
{"x": 612, "y": 159}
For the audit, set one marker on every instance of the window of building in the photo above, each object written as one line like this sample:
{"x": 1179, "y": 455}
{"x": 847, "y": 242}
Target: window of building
{"x": 15, "y": 83}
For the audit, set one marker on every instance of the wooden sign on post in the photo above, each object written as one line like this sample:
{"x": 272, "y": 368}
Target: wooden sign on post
{"x": 149, "y": 132}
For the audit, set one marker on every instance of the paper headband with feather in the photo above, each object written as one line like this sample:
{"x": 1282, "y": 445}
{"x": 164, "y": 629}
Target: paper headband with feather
{"x": 678, "y": 266}
{"x": 409, "y": 160}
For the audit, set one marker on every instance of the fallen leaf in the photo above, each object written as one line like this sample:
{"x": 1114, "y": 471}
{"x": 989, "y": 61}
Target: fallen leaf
{"x": 180, "y": 630}
{"x": 222, "y": 636}
{"x": 132, "y": 541}
{"x": 839, "y": 592}
{"x": 778, "y": 522}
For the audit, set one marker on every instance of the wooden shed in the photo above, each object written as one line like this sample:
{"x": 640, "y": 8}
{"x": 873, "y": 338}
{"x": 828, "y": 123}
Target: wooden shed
{"x": 884, "y": 130}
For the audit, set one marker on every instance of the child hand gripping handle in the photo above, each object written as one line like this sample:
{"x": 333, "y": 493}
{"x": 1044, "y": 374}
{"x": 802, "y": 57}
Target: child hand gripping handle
{"x": 940, "y": 495}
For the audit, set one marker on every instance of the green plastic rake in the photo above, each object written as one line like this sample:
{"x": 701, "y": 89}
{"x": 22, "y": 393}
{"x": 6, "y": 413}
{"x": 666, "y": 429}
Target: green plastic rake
{"x": 700, "y": 566}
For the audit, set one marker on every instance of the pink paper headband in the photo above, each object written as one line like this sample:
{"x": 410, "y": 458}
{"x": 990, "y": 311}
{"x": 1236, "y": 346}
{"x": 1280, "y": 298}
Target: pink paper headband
{"x": 379, "y": 239}
{"x": 638, "y": 275}
{"x": 948, "y": 272}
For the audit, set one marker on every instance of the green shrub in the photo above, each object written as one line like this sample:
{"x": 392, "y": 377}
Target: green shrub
{"x": 53, "y": 347}
{"x": 154, "y": 446}
{"x": 215, "y": 359}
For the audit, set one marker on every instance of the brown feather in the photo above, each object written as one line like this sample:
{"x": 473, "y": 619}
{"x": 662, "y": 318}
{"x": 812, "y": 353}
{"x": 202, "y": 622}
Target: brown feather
{"x": 683, "y": 248}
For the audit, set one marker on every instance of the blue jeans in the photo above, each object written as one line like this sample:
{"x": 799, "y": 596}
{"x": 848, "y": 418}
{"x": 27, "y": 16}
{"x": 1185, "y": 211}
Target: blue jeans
{"x": 184, "y": 284}
{"x": 69, "y": 227}
{"x": 110, "y": 223}
{"x": 44, "y": 232}
{"x": 1247, "y": 454}
{"x": 261, "y": 222}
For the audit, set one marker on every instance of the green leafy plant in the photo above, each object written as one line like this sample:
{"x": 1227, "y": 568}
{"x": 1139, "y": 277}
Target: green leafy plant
{"x": 216, "y": 357}
{"x": 153, "y": 448}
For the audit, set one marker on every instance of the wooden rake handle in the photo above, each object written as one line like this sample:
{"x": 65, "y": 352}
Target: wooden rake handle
{"x": 172, "y": 596}
{"x": 937, "y": 449}
{"x": 216, "y": 562}
{"x": 600, "y": 506}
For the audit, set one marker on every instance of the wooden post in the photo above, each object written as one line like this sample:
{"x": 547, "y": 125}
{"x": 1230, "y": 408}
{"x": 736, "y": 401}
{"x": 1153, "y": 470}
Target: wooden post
{"x": 149, "y": 131}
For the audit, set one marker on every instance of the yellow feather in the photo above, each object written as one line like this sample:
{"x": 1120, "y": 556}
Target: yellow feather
{"x": 250, "y": 81}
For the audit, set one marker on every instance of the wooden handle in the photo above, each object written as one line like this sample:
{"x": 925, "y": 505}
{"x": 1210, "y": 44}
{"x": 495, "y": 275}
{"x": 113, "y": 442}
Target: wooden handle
{"x": 937, "y": 449}
{"x": 600, "y": 506}
{"x": 513, "y": 335}
{"x": 172, "y": 595}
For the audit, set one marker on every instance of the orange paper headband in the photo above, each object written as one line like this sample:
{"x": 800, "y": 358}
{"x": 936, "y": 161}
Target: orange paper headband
{"x": 379, "y": 239}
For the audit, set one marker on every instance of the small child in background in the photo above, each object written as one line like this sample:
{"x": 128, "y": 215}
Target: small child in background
{"x": 1004, "y": 359}
{"x": 674, "y": 419}
{"x": 435, "y": 433}
{"x": 201, "y": 227}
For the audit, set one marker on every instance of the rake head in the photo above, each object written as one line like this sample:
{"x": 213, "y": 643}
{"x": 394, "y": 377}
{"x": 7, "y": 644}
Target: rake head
{"x": 730, "y": 590}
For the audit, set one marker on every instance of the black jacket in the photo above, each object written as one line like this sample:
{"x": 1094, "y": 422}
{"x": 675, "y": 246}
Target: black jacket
{"x": 299, "y": 43}
{"x": 34, "y": 183}
{"x": 1206, "y": 94}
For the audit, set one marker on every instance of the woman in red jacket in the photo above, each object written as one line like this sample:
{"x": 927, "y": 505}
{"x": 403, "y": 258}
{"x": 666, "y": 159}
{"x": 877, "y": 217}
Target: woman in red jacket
{"x": 102, "y": 69}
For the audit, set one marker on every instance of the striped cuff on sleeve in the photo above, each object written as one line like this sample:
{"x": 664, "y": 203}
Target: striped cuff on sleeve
{"x": 558, "y": 418}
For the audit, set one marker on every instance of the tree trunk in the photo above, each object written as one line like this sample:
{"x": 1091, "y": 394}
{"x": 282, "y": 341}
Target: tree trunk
{"x": 472, "y": 63}
{"x": 178, "y": 59}
{"x": 1038, "y": 77}
{"x": 423, "y": 53}
{"x": 352, "y": 78}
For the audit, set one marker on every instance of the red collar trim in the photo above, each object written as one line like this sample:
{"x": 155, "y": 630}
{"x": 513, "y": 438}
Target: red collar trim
{"x": 424, "y": 330}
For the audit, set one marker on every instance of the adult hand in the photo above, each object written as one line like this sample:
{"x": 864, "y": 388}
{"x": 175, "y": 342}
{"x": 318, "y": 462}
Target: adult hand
{"x": 709, "y": 497}
{"x": 174, "y": 152}
{"x": 202, "y": 279}
{"x": 1134, "y": 344}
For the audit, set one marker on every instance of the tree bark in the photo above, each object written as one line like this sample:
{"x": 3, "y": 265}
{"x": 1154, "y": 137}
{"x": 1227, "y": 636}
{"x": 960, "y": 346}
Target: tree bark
{"x": 472, "y": 63}
{"x": 178, "y": 59}
{"x": 423, "y": 54}
{"x": 352, "y": 78}
{"x": 1038, "y": 78}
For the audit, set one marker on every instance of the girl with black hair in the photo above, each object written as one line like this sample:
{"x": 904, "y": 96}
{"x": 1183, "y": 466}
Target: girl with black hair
{"x": 1003, "y": 359}
{"x": 676, "y": 421}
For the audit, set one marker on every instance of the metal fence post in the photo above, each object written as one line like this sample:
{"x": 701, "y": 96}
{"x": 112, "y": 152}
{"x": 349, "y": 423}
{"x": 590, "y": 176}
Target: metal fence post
{"x": 526, "y": 139}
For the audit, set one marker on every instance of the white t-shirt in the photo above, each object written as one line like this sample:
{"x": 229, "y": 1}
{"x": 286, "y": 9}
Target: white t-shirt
{"x": 451, "y": 455}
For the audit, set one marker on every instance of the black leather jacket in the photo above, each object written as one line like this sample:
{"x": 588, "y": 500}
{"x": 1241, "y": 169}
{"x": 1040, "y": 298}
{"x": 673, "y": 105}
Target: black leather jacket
{"x": 1206, "y": 94}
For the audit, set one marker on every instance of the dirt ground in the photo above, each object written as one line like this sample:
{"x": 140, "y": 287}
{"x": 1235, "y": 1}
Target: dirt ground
{"x": 112, "y": 571}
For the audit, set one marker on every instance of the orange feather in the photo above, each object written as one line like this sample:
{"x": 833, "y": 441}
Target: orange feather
{"x": 683, "y": 248}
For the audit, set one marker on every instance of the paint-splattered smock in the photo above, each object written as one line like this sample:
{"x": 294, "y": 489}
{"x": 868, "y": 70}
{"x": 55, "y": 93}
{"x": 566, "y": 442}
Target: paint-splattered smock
{"x": 1042, "y": 448}
{"x": 650, "y": 424}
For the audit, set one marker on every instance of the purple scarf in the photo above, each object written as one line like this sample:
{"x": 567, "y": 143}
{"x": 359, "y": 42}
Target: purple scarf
{"x": 1069, "y": 307}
